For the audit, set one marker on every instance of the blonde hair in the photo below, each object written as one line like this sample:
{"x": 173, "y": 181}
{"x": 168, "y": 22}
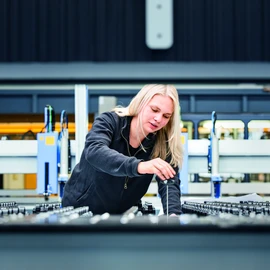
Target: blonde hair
{"x": 171, "y": 133}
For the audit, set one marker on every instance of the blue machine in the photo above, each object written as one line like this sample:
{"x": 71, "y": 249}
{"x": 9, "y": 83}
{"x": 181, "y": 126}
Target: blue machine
{"x": 53, "y": 157}
{"x": 47, "y": 164}
{"x": 47, "y": 155}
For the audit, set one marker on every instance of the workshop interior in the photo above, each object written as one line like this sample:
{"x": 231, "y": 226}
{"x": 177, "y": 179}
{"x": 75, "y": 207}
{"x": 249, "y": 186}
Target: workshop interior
{"x": 63, "y": 63}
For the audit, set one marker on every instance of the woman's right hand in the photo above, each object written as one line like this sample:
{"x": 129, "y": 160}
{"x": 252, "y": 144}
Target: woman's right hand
{"x": 157, "y": 166}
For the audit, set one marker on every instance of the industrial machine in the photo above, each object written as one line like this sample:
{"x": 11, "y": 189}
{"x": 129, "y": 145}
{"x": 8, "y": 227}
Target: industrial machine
{"x": 233, "y": 156}
{"x": 241, "y": 156}
{"x": 53, "y": 155}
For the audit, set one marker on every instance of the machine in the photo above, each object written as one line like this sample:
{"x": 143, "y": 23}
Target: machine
{"x": 53, "y": 155}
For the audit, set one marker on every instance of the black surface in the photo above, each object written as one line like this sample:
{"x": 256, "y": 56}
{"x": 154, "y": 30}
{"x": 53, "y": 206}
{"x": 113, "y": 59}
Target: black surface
{"x": 109, "y": 30}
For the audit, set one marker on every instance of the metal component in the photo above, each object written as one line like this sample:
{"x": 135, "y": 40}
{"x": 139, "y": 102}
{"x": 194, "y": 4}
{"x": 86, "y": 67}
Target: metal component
{"x": 167, "y": 183}
{"x": 64, "y": 162}
{"x": 132, "y": 210}
{"x": 49, "y": 119}
{"x": 64, "y": 147}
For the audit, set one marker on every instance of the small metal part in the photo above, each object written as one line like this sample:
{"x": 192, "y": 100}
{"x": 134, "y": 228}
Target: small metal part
{"x": 168, "y": 183}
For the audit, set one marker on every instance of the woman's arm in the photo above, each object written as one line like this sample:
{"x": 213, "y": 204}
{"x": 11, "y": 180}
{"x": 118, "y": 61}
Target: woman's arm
{"x": 98, "y": 153}
{"x": 174, "y": 192}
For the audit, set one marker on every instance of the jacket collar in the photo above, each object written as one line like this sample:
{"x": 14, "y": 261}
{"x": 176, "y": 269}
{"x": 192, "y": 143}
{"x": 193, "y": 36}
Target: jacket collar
{"x": 149, "y": 141}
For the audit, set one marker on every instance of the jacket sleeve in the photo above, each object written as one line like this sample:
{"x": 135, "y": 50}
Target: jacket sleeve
{"x": 174, "y": 195}
{"x": 98, "y": 153}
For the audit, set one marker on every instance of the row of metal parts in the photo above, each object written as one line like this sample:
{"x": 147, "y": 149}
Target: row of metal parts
{"x": 54, "y": 213}
{"x": 9, "y": 208}
{"x": 216, "y": 214}
{"x": 214, "y": 208}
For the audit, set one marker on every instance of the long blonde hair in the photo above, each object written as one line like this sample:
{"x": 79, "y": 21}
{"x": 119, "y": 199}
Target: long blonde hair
{"x": 171, "y": 133}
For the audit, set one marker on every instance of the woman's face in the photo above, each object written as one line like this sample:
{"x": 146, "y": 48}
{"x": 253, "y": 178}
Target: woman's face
{"x": 157, "y": 113}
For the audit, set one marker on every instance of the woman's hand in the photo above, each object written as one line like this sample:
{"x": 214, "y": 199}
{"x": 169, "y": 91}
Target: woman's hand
{"x": 157, "y": 166}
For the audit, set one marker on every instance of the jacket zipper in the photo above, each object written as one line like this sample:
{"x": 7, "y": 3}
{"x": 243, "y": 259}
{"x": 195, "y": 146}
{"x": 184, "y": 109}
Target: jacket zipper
{"x": 126, "y": 180}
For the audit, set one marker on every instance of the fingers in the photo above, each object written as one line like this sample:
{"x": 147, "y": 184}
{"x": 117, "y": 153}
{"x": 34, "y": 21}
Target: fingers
{"x": 157, "y": 166}
{"x": 163, "y": 169}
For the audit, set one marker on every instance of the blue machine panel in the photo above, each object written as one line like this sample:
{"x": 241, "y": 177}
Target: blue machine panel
{"x": 47, "y": 163}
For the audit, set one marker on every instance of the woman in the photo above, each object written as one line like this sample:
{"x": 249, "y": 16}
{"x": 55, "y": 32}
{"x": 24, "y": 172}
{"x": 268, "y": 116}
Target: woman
{"x": 124, "y": 149}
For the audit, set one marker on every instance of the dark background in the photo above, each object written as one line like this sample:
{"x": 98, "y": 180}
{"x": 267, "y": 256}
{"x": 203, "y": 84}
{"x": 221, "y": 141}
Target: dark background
{"x": 114, "y": 31}
{"x": 46, "y": 44}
